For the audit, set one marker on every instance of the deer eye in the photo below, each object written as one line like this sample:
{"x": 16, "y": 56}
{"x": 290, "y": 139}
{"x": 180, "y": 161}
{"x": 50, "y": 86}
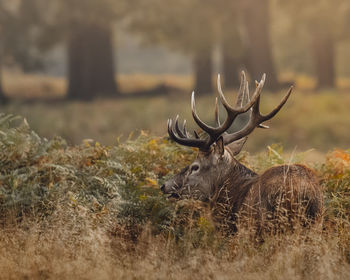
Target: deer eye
{"x": 194, "y": 167}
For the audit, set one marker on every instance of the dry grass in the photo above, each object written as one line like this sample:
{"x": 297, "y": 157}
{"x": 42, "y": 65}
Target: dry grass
{"x": 29, "y": 86}
{"x": 66, "y": 249}
{"x": 35, "y": 86}
{"x": 95, "y": 212}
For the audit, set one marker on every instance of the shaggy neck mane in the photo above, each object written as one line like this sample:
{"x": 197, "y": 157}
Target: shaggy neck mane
{"x": 231, "y": 193}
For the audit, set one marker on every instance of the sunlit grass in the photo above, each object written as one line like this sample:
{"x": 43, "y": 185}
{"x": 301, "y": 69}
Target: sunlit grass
{"x": 29, "y": 86}
{"x": 135, "y": 82}
{"x": 95, "y": 212}
{"x": 309, "y": 120}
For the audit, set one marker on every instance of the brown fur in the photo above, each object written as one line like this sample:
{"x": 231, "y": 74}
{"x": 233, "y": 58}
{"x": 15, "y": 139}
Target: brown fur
{"x": 273, "y": 200}
{"x": 276, "y": 199}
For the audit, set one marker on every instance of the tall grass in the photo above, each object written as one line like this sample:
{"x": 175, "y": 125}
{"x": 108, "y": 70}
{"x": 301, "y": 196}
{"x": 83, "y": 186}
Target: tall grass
{"x": 91, "y": 211}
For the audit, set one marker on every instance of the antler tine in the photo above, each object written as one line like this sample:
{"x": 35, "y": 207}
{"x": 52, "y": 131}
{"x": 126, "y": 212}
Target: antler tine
{"x": 198, "y": 143}
{"x": 183, "y": 133}
{"x": 242, "y": 91}
{"x": 182, "y": 137}
{"x": 276, "y": 110}
{"x": 200, "y": 123}
{"x": 247, "y": 91}
{"x": 217, "y": 115}
{"x": 185, "y": 130}
{"x": 177, "y": 129}
{"x": 256, "y": 119}
{"x": 232, "y": 113}
{"x": 246, "y": 107}
{"x": 242, "y": 97}
{"x": 251, "y": 109}
{"x": 196, "y": 134}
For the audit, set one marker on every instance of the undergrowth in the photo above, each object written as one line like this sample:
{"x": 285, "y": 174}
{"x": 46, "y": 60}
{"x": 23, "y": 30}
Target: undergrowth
{"x": 94, "y": 211}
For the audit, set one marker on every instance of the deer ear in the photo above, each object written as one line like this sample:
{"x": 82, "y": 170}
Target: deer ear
{"x": 220, "y": 146}
{"x": 237, "y": 146}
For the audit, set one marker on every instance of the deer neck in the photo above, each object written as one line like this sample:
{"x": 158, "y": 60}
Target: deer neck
{"x": 233, "y": 190}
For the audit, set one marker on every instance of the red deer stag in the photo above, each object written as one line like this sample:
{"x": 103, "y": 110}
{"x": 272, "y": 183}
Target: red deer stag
{"x": 232, "y": 189}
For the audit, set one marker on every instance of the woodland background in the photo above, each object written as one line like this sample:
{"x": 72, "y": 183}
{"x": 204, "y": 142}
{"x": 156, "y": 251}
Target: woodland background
{"x": 86, "y": 88}
{"x": 137, "y": 61}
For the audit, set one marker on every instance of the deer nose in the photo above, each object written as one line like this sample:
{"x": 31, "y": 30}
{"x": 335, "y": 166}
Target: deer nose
{"x": 162, "y": 187}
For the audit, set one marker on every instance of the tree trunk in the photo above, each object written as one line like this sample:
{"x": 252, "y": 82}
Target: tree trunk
{"x": 232, "y": 52}
{"x": 324, "y": 58}
{"x": 3, "y": 98}
{"x": 2, "y": 95}
{"x": 232, "y": 60}
{"x": 231, "y": 69}
{"x": 203, "y": 70}
{"x": 259, "y": 55}
{"x": 91, "y": 62}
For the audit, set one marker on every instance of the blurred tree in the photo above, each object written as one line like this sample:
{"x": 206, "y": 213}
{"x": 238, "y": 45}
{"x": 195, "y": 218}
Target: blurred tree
{"x": 184, "y": 25}
{"x": 324, "y": 22}
{"x": 19, "y": 20}
{"x": 256, "y": 16}
{"x": 232, "y": 41}
{"x": 203, "y": 70}
{"x": 18, "y": 23}
{"x": 197, "y": 26}
{"x": 91, "y": 61}
{"x": 323, "y": 46}
{"x": 86, "y": 26}
{"x": 2, "y": 94}
{"x": 232, "y": 55}
{"x": 3, "y": 98}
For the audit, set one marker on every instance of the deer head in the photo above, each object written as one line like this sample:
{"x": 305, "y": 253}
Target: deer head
{"x": 215, "y": 164}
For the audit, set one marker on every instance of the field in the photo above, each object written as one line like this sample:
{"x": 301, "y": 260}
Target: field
{"x": 310, "y": 119}
{"x": 91, "y": 209}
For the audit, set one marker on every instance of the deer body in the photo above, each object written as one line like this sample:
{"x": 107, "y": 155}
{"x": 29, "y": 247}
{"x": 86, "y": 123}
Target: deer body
{"x": 281, "y": 195}
{"x": 235, "y": 192}
{"x": 285, "y": 192}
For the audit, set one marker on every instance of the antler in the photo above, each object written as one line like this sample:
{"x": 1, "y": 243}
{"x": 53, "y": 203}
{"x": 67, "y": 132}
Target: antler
{"x": 256, "y": 120}
{"x": 183, "y": 137}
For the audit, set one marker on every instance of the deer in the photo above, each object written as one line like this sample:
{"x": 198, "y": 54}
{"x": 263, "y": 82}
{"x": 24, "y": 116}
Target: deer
{"x": 235, "y": 193}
